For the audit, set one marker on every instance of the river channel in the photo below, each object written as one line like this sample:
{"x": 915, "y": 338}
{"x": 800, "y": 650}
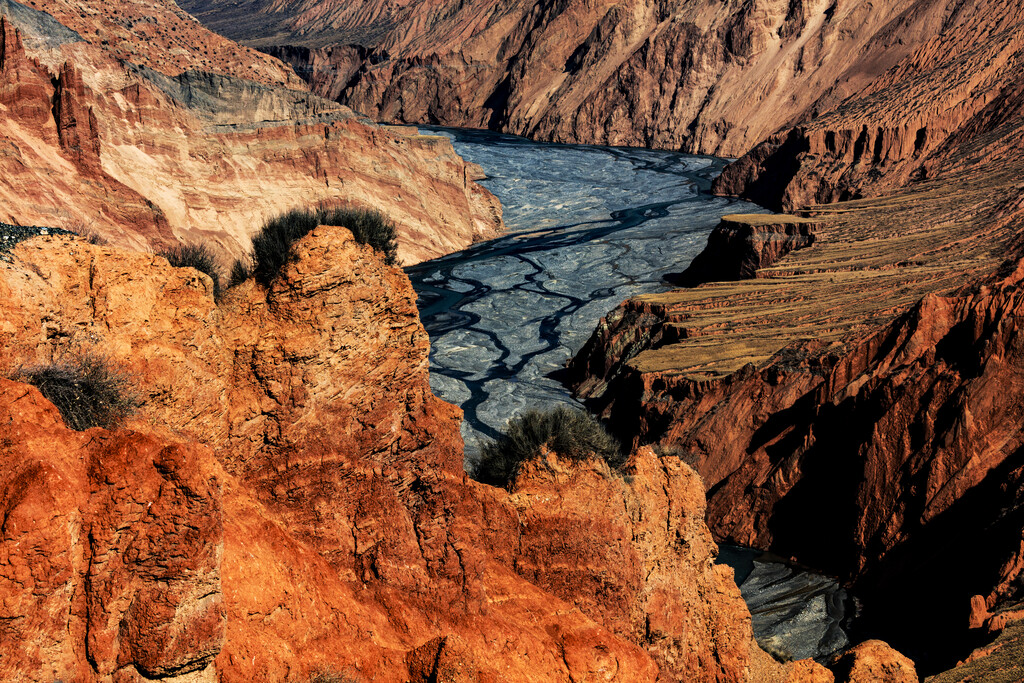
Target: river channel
{"x": 587, "y": 228}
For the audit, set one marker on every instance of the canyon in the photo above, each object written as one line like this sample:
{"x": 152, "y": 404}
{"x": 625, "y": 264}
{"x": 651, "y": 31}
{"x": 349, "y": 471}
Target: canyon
{"x": 836, "y": 385}
{"x": 844, "y": 379}
{"x": 246, "y": 525}
{"x": 702, "y": 77}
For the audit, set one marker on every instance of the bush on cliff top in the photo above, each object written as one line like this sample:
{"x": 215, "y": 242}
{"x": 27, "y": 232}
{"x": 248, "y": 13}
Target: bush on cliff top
{"x": 87, "y": 389}
{"x": 272, "y": 246}
{"x": 569, "y": 432}
{"x": 196, "y": 256}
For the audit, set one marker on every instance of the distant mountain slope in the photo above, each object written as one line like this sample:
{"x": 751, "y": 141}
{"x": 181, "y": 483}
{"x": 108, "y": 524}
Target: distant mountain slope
{"x": 163, "y": 37}
{"x": 702, "y": 76}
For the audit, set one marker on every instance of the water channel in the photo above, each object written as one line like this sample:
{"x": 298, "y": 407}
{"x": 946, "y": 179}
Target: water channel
{"x": 587, "y": 228}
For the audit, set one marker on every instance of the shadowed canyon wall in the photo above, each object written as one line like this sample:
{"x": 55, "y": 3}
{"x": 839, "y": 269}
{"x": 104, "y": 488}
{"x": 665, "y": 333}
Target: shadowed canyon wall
{"x": 855, "y": 405}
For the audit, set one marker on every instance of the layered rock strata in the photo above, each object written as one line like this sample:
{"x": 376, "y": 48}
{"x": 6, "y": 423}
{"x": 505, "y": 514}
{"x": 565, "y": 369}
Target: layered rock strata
{"x": 742, "y": 244}
{"x": 147, "y": 155}
{"x": 840, "y": 412}
{"x": 290, "y": 500}
{"x": 953, "y": 103}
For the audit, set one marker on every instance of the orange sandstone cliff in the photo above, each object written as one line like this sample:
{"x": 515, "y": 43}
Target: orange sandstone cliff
{"x": 113, "y": 128}
{"x": 290, "y": 500}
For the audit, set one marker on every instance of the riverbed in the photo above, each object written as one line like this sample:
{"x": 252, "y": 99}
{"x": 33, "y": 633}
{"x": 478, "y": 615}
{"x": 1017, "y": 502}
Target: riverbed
{"x": 587, "y": 228}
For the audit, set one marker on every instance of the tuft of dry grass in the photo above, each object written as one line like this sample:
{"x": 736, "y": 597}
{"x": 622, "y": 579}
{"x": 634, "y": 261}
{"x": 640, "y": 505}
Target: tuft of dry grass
{"x": 89, "y": 390}
{"x": 569, "y": 432}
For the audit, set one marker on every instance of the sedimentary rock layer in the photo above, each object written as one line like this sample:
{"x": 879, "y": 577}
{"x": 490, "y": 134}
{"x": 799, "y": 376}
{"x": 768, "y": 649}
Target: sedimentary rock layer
{"x": 841, "y": 412}
{"x": 742, "y": 244}
{"x": 854, "y": 406}
{"x": 147, "y": 155}
{"x": 953, "y": 103}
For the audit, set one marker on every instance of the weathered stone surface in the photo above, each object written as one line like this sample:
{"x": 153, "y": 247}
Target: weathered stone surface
{"x": 110, "y": 552}
{"x": 873, "y": 660}
{"x": 711, "y": 77}
{"x": 951, "y": 104}
{"x": 642, "y": 559}
{"x": 326, "y": 524}
{"x": 148, "y": 156}
{"x": 742, "y": 244}
{"x": 853, "y": 407}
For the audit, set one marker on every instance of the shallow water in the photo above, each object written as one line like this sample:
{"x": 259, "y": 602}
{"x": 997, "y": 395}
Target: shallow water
{"x": 795, "y": 614}
{"x": 587, "y": 228}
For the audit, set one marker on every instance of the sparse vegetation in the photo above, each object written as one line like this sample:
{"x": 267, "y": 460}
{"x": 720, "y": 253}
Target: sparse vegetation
{"x": 328, "y": 676}
{"x": 569, "y": 432}
{"x": 196, "y": 256}
{"x": 94, "y": 238}
{"x": 272, "y": 246}
{"x": 241, "y": 270}
{"x": 368, "y": 227}
{"x": 88, "y": 389}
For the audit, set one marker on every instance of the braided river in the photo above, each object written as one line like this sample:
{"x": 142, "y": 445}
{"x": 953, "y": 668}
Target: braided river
{"x": 588, "y": 227}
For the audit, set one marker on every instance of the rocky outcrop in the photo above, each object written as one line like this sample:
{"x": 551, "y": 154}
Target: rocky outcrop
{"x": 852, "y": 407}
{"x": 953, "y": 103}
{"x": 111, "y": 550}
{"x": 742, "y": 244}
{"x": 873, "y": 660}
{"x": 642, "y": 559}
{"x": 325, "y": 523}
{"x": 148, "y": 160}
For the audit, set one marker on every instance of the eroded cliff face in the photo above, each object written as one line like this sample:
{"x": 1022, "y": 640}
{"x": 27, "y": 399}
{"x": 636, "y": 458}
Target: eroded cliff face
{"x": 290, "y": 499}
{"x": 952, "y": 104}
{"x": 854, "y": 407}
{"x": 707, "y": 77}
{"x": 164, "y": 150}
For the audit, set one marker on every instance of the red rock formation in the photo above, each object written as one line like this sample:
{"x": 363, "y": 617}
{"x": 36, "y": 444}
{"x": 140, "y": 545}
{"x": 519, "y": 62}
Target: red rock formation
{"x": 76, "y": 123}
{"x": 327, "y": 523}
{"x": 854, "y": 408}
{"x": 873, "y": 660}
{"x": 26, "y": 84}
{"x": 146, "y": 161}
{"x": 742, "y": 244}
{"x": 111, "y": 550}
{"x": 866, "y": 462}
{"x": 633, "y": 541}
